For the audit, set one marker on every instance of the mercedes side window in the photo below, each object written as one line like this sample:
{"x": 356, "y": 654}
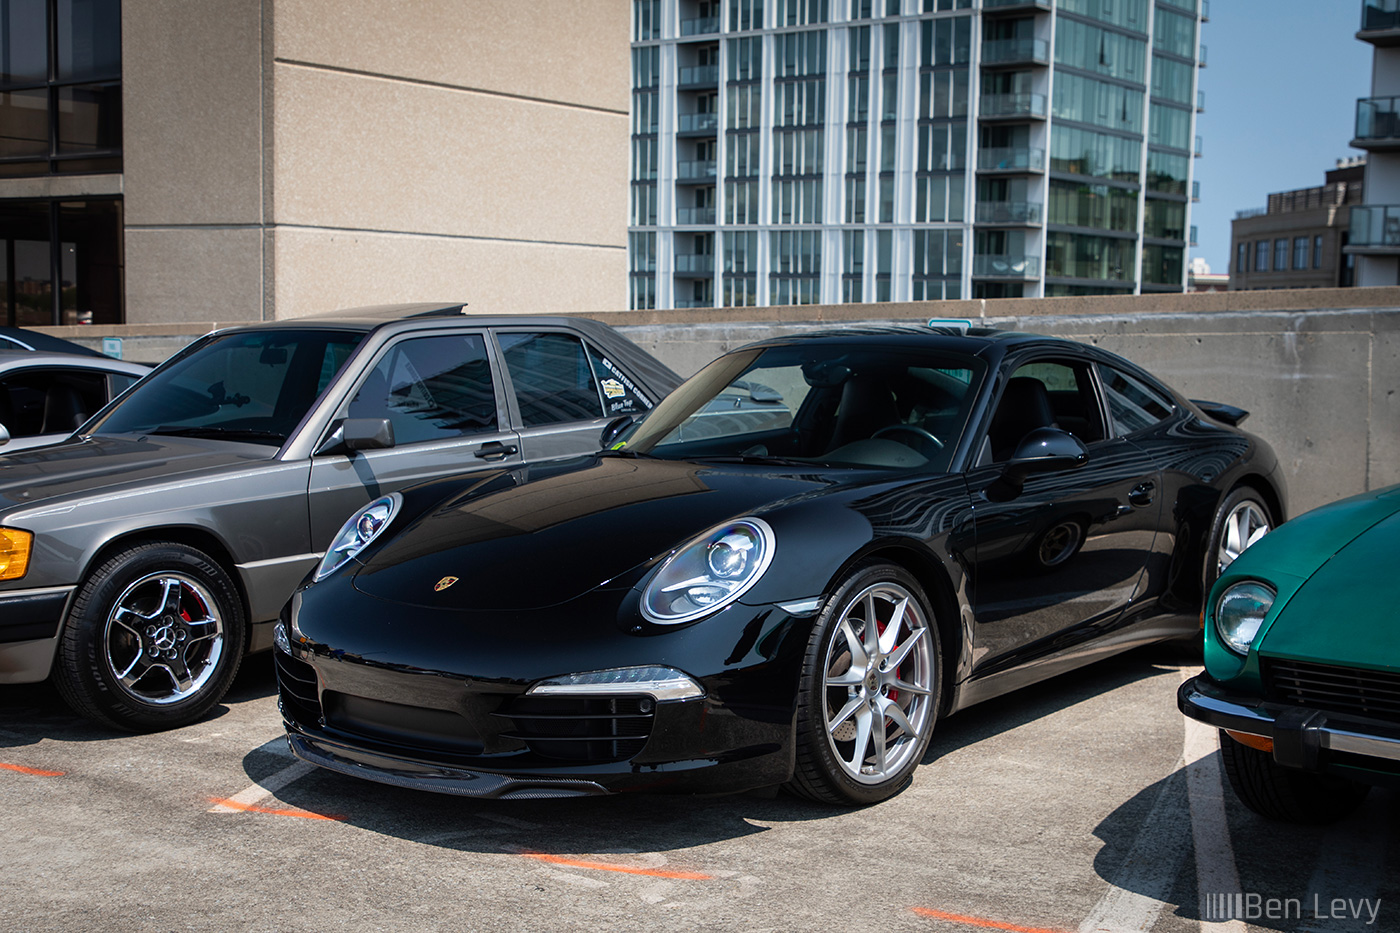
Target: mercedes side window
{"x": 430, "y": 388}
{"x": 620, "y": 395}
{"x": 1133, "y": 405}
{"x": 552, "y": 378}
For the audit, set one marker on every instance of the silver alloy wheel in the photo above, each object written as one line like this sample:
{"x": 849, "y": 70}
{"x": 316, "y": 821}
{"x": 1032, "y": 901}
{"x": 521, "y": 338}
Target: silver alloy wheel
{"x": 878, "y": 683}
{"x": 1059, "y": 544}
{"x": 163, "y": 638}
{"x": 1245, "y": 525}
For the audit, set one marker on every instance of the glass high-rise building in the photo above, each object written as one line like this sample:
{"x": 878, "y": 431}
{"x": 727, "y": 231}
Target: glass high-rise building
{"x": 805, "y": 151}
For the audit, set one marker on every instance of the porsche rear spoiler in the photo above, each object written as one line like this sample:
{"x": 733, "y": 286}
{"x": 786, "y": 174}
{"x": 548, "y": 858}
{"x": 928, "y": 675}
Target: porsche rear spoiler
{"x": 1228, "y": 414}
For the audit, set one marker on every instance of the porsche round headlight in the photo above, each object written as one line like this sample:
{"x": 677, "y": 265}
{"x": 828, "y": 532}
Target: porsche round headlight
{"x": 709, "y": 573}
{"x": 356, "y": 534}
{"x": 1240, "y": 612}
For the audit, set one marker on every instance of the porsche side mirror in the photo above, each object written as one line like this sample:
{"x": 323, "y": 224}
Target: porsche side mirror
{"x": 359, "y": 434}
{"x": 4, "y": 435}
{"x": 1043, "y": 450}
{"x": 613, "y": 429}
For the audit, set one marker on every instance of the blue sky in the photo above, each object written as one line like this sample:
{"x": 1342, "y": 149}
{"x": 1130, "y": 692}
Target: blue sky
{"x": 1281, "y": 80}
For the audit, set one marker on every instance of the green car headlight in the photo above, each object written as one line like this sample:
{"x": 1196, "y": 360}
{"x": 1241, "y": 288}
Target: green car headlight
{"x": 1240, "y": 611}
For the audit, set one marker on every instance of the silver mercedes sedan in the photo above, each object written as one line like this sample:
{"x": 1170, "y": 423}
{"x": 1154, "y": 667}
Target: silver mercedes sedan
{"x": 144, "y": 556}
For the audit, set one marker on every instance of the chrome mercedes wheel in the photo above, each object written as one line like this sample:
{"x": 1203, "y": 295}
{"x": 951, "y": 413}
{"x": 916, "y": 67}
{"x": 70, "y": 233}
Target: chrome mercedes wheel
{"x": 164, "y": 638}
{"x": 870, "y": 689}
{"x": 153, "y": 638}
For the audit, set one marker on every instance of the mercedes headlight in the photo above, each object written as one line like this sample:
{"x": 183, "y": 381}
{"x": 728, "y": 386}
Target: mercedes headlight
{"x": 709, "y": 573}
{"x": 1240, "y": 611}
{"x": 356, "y": 534}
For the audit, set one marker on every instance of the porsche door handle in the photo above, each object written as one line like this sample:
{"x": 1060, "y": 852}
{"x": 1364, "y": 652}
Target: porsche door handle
{"x": 495, "y": 451}
{"x": 1142, "y": 494}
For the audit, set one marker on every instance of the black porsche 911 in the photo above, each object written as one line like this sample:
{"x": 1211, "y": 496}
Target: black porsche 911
{"x": 785, "y": 574}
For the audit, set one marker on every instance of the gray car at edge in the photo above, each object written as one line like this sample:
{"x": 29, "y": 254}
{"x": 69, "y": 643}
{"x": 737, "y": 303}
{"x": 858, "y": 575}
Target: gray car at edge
{"x": 142, "y": 557}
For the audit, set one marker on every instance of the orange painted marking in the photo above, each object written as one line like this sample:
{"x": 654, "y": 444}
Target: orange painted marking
{"x": 271, "y": 811}
{"x": 981, "y": 922}
{"x": 625, "y": 869}
{"x": 34, "y": 771}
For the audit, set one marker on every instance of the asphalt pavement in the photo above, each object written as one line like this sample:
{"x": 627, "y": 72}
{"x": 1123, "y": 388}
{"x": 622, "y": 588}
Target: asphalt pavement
{"x": 1087, "y": 803}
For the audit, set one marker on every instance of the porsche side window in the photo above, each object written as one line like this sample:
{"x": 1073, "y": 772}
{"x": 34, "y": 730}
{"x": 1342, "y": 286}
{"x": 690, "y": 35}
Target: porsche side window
{"x": 1132, "y": 405}
{"x": 430, "y": 388}
{"x": 552, "y": 377}
{"x": 1045, "y": 394}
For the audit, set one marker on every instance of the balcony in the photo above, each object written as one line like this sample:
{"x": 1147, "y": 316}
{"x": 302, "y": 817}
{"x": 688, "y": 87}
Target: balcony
{"x": 1008, "y": 213}
{"x": 1001, "y": 6}
{"x": 698, "y": 124}
{"x": 1205, "y": 11}
{"x": 1019, "y": 268}
{"x": 701, "y": 26}
{"x": 1195, "y": 191}
{"x": 1380, "y": 22}
{"x": 694, "y": 265}
{"x": 1200, "y": 101}
{"x": 691, "y": 216}
{"x": 1377, "y": 124}
{"x": 696, "y": 172}
{"x": 1010, "y": 160}
{"x": 699, "y": 76}
{"x": 1015, "y": 52}
{"x": 1202, "y": 60}
{"x": 1375, "y": 228}
{"x": 1012, "y": 107}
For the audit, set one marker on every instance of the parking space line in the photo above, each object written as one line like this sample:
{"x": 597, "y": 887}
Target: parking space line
{"x": 979, "y": 922}
{"x": 254, "y": 794}
{"x": 32, "y": 772}
{"x": 623, "y": 869}
{"x": 1210, "y": 831}
{"x": 227, "y": 805}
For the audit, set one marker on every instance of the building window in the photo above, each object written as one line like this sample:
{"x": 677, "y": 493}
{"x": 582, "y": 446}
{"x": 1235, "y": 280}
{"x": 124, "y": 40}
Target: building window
{"x": 1241, "y": 257}
{"x": 1300, "y": 252}
{"x": 1317, "y": 252}
{"x": 61, "y": 262}
{"x": 1261, "y": 256}
{"x": 1281, "y": 255}
{"x": 60, "y": 87}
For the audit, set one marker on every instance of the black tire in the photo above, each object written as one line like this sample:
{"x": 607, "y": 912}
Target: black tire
{"x": 153, "y": 640}
{"x": 876, "y": 682}
{"x": 1243, "y": 517}
{"x": 1287, "y": 794}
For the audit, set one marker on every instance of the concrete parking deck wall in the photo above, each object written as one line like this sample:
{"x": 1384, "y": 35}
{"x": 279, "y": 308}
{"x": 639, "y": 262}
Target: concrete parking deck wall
{"x": 1319, "y": 369}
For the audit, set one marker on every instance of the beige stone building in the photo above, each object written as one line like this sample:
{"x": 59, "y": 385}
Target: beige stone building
{"x": 1299, "y": 240}
{"x": 167, "y": 160}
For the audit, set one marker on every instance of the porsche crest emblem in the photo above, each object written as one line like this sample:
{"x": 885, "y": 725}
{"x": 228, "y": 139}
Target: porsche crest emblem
{"x": 444, "y": 583}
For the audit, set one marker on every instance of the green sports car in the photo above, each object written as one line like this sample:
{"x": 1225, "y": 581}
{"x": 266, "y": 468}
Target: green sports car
{"x": 1303, "y": 664}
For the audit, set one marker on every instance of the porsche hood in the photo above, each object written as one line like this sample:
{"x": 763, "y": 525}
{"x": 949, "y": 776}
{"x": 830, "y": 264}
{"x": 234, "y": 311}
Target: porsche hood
{"x": 548, "y": 541}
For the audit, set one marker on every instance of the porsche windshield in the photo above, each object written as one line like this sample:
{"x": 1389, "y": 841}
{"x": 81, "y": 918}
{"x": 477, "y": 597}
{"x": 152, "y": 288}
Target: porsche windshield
{"x": 248, "y": 386}
{"x": 862, "y": 406}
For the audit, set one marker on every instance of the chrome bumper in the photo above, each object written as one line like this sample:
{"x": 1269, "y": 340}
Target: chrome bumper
{"x": 1299, "y": 734}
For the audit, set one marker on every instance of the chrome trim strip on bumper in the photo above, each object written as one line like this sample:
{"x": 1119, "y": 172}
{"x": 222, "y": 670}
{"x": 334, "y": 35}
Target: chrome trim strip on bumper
{"x": 1315, "y": 728}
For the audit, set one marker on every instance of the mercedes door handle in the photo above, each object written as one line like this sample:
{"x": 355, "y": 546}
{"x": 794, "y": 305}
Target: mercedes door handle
{"x": 1142, "y": 494}
{"x": 495, "y": 451}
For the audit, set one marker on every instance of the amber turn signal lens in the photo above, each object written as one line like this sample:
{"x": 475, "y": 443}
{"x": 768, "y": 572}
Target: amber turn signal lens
{"x": 14, "y": 553}
{"x": 1253, "y": 741}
